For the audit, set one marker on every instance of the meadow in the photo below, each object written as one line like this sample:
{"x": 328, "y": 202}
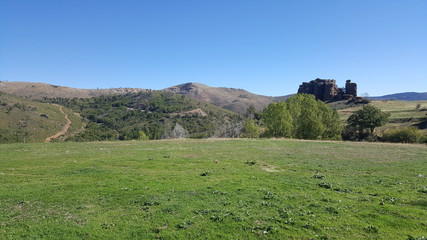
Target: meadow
{"x": 213, "y": 189}
{"x": 402, "y": 113}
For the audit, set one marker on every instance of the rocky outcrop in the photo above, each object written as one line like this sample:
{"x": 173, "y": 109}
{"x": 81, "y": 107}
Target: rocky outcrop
{"x": 179, "y": 132}
{"x": 326, "y": 89}
{"x": 351, "y": 88}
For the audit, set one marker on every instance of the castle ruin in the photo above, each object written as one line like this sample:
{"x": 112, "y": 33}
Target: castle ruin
{"x": 326, "y": 90}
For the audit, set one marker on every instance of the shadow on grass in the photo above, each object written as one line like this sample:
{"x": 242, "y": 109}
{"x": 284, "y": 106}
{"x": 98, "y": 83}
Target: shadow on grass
{"x": 422, "y": 203}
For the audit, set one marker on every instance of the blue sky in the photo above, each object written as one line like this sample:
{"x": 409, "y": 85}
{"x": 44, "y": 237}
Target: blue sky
{"x": 266, "y": 47}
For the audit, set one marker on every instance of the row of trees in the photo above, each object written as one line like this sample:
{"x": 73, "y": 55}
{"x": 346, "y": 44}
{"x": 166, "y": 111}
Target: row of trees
{"x": 301, "y": 116}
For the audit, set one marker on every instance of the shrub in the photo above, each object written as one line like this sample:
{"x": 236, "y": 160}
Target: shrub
{"x": 403, "y": 135}
{"x": 250, "y": 129}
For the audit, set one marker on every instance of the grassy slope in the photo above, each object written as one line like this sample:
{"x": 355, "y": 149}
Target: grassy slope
{"x": 128, "y": 190}
{"x": 403, "y": 113}
{"x": 24, "y": 116}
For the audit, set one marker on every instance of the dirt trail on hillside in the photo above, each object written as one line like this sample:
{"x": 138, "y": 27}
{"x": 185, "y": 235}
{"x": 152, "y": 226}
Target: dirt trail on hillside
{"x": 64, "y": 129}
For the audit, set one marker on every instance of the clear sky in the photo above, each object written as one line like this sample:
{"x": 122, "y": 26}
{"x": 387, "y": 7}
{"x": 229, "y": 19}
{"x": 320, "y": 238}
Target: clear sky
{"x": 267, "y": 47}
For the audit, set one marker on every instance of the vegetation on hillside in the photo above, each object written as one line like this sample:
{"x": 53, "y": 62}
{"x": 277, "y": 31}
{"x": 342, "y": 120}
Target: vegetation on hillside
{"x": 404, "y": 115}
{"x": 152, "y": 114}
{"x": 362, "y": 123}
{"x": 23, "y": 120}
{"x": 158, "y": 115}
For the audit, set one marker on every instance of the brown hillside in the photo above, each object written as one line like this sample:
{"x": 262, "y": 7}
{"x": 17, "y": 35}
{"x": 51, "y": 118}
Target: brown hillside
{"x": 37, "y": 91}
{"x": 236, "y": 100}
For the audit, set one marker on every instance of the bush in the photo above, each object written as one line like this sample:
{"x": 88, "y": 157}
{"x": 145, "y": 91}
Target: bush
{"x": 250, "y": 129}
{"x": 403, "y": 135}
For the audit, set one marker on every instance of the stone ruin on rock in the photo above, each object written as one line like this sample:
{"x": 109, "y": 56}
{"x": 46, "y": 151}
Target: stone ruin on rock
{"x": 326, "y": 89}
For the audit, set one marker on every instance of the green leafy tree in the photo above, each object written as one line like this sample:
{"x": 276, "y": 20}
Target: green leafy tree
{"x": 368, "y": 118}
{"x": 332, "y": 122}
{"x": 307, "y": 116}
{"x": 277, "y": 120}
{"x": 250, "y": 129}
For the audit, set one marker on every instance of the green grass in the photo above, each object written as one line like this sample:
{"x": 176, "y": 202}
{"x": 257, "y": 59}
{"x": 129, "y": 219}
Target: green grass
{"x": 403, "y": 113}
{"x": 398, "y": 109}
{"x": 208, "y": 189}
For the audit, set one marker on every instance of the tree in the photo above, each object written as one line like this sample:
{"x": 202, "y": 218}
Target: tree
{"x": 369, "y": 117}
{"x": 307, "y": 116}
{"x": 250, "y": 129}
{"x": 332, "y": 122}
{"x": 250, "y": 112}
{"x": 277, "y": 120}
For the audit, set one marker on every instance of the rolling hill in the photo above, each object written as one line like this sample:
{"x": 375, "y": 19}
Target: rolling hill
{"x": 236, "y": 100}
{"x": 151, "y": 114}
{"x": 143, "y": 115}
{"x": 39, "y": 91}
{"x": 405, "y": 96}
{"x": 23, "y": 120}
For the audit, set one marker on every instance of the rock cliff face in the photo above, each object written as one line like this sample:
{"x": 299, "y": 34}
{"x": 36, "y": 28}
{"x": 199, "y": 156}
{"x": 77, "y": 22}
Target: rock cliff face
{"x": 351, "y": 88}
{"x": 326, "y": 89}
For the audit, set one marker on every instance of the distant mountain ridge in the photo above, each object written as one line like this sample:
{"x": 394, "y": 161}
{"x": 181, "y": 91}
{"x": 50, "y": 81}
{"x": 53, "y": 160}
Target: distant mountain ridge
{"x": 405, "y": 96}
{"x": 38, "y": 91}
{"x": 236, "y": 100}
{"x": 233, "y": 99}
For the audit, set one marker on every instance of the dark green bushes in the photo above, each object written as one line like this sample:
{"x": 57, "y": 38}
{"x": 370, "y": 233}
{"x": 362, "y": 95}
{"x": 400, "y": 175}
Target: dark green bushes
{"x": 361, "y": 124}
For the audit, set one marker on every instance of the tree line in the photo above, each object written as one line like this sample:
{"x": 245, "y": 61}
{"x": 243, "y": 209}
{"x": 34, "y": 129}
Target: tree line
{"x": 304, "y": 117}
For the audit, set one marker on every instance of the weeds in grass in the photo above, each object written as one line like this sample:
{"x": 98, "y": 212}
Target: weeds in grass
{"x": 331, "y": 210}
{"x": 423, "y": 190}
{"x": 325, "y": 185}
{"x": 416, "y": 238}
{"x": 370, "y": 229}
{"x": 251, "y": 162}
{"x": 318, "y": 176}
{"x": 185, "y": 224}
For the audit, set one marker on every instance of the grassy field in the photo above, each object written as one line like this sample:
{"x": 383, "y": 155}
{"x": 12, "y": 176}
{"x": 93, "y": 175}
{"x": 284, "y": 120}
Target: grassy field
{"x": 213, "y": 189}
{"x": 398, "y": 109}
{"x": 403, "y": 113}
